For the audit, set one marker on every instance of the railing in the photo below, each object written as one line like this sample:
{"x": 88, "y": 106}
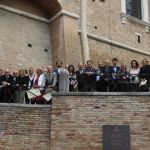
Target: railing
{"x": 10, "y": 91}
{"x": 110, "y": 80}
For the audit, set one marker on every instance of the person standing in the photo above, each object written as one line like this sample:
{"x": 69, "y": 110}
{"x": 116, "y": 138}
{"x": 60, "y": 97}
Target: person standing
{"x": 21, "y": 83}
{"x": 85, "y": 66}
{"x": 107, "y": 71}
{"x": 80, "y": 78}
{"x": 37, "y": 83}
{"x": 15, "y": 75}
{"x": 99, "y": 80}
{"x": 113, "y": 82}
{"x": 1, "y": 72}
{"x": 90, "y": 77}
{"x": 57, "y": 71}
{"x": 123, "y": 77}
{"x": 45, "y": 70}
{"x": 49, "y": 79}
{"x": 30, "y": 80}
{"x": 134, "y": 76}
{"x": 145, "y": 69}
{"x": 6, "y": 91}
{"x": 66, "y": 67}
{"x": 72, "y": 79}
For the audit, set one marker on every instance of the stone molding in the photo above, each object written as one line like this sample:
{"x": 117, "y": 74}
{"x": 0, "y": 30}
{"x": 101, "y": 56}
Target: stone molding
{"x": 114, "y": 43}
{"x": 35, "y": 17}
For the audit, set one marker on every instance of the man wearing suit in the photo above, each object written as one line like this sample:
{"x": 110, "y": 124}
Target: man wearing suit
{"x": 1, "y": 94}
{"x": 107, "y": 69}
{"x": 90, "y": 77}
{"x": 147, "y": 69}
{"x": 15, "y": 75}
{"x": 80, "y": 78}
{"x": 57, "y": 71}
{"x": 116, "y": 68}
{"x": 99, "y": 80}
{"x": 49, "y": 79}
{"x": 6, "y": 91}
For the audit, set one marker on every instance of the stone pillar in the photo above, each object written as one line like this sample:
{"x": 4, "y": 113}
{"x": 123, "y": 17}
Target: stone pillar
{"x": 64, "y": 81}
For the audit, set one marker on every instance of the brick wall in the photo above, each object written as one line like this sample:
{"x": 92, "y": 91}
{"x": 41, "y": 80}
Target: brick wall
{"x": 100, "y": 51}
{"x": 57, "y": 41}
{"x": 61, "y": 36}
{"x": 24, "y": 127}
{"x": 16, "y": 33}
{"x": 77, "y": 119}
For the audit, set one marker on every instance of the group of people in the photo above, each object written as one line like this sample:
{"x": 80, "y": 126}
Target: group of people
{"x": 109, "y": 78}
{"x": 13, "y": 88}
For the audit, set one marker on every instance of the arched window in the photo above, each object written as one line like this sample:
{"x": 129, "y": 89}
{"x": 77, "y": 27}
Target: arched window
{"x": 133, "y": 8}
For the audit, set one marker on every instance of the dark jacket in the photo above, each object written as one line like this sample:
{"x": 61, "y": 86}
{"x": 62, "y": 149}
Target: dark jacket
{"x": 9, "y": 80}
{"x": 118, "y": 68}
{"x": 21, "y": 81}
{"x": 80, "y": 78}
{"x": 56, "y": 71}
{"x": 142, "y": 71}
{"x": 148, "y": 72}
{"x": 110, "y": 71}
{"x": 92, "y": 78}
{"x": 120, "y": 75}
{"x": 28, "y": 79}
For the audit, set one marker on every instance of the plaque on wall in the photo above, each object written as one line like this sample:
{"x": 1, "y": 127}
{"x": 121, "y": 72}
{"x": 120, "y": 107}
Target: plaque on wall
{"x": 116, "y": 137}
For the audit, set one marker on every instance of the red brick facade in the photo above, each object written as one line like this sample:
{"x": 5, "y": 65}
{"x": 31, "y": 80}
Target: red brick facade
{"x": 77, "y": 121}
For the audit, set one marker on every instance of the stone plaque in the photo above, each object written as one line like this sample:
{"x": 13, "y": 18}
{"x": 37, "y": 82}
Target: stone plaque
{"x": 116, "y": 137}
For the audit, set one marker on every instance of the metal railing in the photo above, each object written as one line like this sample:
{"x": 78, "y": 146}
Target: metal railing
{"x": 8, "y": 93}
{"x": 11, "y": 90}
{"x": 110, "y": 80}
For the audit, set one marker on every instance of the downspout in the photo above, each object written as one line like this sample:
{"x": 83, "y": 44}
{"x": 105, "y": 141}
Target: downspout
{"x": 84, "y": 40}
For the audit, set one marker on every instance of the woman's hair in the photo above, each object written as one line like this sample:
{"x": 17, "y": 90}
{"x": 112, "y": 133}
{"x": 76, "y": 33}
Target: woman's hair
{"x": 72, "y": 67}
{"x": 145, "y": 60}
{"x": 40, "y": 69}
{"x": 19, "y": 72}
{"x": 137, "y": 64}
{"x": 123, "y": 64}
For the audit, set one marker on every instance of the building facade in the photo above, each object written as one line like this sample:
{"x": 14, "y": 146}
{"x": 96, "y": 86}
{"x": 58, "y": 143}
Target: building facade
{"x": 38, "y": 33}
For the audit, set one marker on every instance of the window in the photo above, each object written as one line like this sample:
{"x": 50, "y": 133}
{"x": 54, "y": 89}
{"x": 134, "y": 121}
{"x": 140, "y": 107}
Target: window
{"x": 133, "y": 8}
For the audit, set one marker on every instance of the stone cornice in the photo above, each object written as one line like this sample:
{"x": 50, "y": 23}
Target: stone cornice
{"x": 135, "y": 20}
{"x": 100, "y": 94}
{"x": 35, "y": 17}
{"x": 65, "y": 13}
{"x": 22, "y": 13}
{"x": 114, "y": 43}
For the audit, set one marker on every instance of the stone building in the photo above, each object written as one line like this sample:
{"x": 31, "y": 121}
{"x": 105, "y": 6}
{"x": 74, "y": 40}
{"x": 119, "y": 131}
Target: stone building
{"x": 39, "y": 32}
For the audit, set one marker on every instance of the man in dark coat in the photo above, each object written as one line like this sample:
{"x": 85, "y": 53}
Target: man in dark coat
{"x": 107, "y": 71}
{"x": 90, "y": 77}
{"x": 80, "y": 78}
{"x": 6, "y": 91}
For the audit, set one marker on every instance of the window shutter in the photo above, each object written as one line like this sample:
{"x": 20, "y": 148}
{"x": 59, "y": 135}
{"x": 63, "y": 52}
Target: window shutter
{"x": 133, "y": 8}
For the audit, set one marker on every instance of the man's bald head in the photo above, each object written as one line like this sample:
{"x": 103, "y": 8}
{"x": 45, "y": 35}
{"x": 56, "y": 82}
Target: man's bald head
{"x": 15, "y": 73}
{"x": 107, "y": 63}
{"x": 7, "y": 72}
{"x": 49, "y": 69}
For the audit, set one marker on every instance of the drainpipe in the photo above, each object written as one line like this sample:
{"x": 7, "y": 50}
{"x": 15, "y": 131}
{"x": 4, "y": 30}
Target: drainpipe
{"x": 84, "y": 40}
